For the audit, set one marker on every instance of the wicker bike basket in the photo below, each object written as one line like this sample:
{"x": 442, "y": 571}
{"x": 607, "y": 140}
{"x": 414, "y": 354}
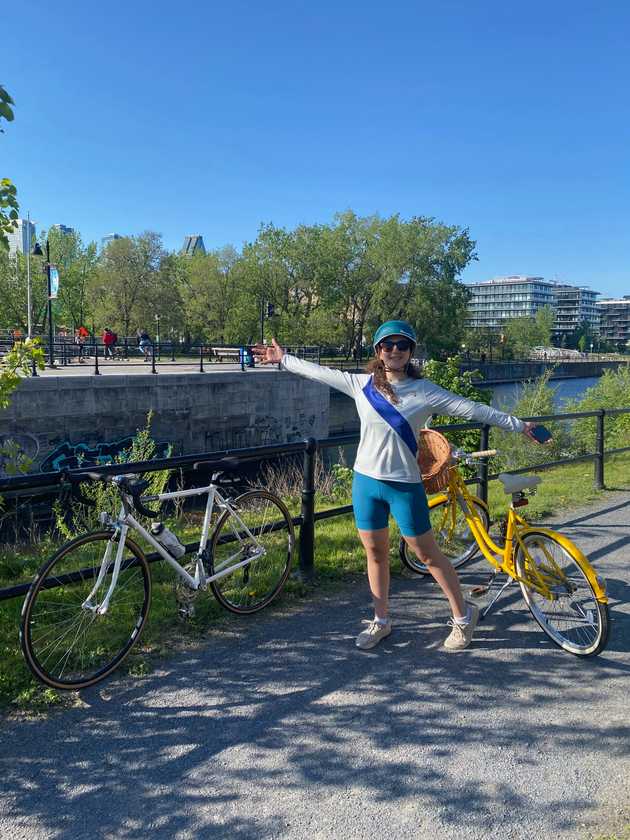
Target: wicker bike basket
{"x": 434, "y": 460}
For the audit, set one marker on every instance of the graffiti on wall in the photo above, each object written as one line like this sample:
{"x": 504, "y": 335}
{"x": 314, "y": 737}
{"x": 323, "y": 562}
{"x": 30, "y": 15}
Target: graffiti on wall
{"x": 17, "y": 452}
{"x": 70, "y": 456}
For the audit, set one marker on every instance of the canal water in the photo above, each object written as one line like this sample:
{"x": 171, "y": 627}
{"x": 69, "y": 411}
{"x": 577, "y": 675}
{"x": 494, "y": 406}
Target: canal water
{"x": 505, "y": 397}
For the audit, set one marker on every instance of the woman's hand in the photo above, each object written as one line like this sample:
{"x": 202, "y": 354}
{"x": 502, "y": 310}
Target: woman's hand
{"x": 268, "y": 354}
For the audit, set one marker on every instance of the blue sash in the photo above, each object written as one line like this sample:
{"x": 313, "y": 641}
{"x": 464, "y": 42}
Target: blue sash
{"x": 391, "y": 415}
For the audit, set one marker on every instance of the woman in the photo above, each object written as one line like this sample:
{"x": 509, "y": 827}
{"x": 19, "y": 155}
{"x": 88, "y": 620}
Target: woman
{"x": 393, "y": 399}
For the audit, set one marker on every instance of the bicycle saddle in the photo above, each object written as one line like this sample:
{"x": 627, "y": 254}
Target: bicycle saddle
{"x": 516, "y": 483}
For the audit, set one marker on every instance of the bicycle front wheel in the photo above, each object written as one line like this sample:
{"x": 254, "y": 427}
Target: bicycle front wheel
{"x": 252, "y": 549}
{"x": 67, "y": 642}
{"x": 570, "y": 614}
{"x": 454, "y": 538}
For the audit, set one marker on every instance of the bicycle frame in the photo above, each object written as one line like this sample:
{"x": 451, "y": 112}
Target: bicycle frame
{"x": 502, "y": 559}
{"x": 127, "y": 522}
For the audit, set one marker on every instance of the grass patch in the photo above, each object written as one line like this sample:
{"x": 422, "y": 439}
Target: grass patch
{"x": 338, "y": 558}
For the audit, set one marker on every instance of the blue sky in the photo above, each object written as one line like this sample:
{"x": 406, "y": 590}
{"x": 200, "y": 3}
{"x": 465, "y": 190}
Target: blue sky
{"x": 510, "y": 119}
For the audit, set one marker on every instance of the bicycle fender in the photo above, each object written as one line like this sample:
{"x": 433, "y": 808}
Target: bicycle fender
{"x": 597, "y": 582}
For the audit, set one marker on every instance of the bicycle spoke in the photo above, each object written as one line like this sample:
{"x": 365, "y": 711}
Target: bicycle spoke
{"x": 560, "y": 596}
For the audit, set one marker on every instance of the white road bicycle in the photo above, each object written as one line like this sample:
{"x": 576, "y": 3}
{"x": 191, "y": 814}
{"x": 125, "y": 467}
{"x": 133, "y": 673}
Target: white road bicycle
{"x": 88, "y": 604}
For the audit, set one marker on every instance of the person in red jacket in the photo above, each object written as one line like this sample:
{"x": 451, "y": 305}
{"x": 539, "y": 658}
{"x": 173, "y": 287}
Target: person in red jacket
{"x": 109, "y": 339}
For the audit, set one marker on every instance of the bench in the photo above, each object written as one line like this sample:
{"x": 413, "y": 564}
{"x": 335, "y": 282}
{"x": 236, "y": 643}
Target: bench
{"x": 222, "y": 354}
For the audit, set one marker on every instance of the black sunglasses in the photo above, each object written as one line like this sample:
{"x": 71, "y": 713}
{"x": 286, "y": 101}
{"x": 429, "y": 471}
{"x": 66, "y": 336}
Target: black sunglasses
{"x": 403, "y": 345}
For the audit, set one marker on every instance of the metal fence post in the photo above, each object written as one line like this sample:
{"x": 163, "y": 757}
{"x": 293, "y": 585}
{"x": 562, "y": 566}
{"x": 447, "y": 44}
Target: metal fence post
{"x": 96, "y": 370}
{"x": 201, "y": 358}
{"x": 307, "y": 529}
{"x": 33, "y": 367}
{"x": 599, "y": 450}
{"x": 482, "y": 466}
{"x": 153, "y": 370}
{"x": 172, "y": 350}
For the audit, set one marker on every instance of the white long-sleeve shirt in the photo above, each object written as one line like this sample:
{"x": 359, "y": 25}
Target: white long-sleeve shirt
{"x": 382, "y": 453}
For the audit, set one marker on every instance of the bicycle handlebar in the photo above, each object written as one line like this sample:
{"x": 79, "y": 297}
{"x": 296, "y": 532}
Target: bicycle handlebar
{"x": 222, "y": 464}
{"x": 121, "y": 481}
{"x": 461, "y": 455}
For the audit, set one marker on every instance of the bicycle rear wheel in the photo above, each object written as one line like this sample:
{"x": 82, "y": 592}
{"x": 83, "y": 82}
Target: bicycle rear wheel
{"x": 572, "y": 616}
{"x": 455, "y": 539}
{"x": 252, "y": 550}
{"x": 67, "y": 644}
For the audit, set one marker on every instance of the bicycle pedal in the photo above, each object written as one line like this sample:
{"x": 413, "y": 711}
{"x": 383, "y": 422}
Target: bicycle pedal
{"x": 186, "y": 611}
{"x": 478, "y": 591}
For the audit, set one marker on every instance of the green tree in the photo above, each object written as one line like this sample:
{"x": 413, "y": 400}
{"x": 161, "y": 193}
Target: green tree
{"x": 209, "y": 287}
{"x": 13, "y": 291}
{"x": 448, "y": 375}
{"x": 123, "y": 287}
{"x": 521, "y": 334}
{"x": 424, "y": 259}
{"x": 8, "y": 194}
{"x": 77, "y": 264}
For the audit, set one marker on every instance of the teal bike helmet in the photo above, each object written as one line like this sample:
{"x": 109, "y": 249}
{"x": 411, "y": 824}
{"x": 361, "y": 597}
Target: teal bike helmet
{"x": 394, "y": 328}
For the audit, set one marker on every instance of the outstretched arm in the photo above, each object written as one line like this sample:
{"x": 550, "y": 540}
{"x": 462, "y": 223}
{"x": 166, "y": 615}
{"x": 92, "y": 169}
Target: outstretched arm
{"x": 454, "y": 405}
{"x": 271, "y": 354}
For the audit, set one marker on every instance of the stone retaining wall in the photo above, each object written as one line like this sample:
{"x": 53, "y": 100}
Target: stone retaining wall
{"x": 54, "y": 419}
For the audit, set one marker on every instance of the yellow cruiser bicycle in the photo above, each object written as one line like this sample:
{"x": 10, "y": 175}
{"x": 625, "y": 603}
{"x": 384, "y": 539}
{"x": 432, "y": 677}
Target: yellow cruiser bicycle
{"x": 560, "y": 587}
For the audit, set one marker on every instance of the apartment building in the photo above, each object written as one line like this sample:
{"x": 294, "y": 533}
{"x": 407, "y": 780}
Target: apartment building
{"x": 496, "y": 301}
{"x": 574, "y": 305}
{"x": 614, "y": 321}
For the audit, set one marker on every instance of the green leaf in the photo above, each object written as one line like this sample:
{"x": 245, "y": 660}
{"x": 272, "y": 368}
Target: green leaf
{"x": 6, "y": 112}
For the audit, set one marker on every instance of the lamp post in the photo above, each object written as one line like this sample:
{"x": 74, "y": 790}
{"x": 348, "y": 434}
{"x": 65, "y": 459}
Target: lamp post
{"x": 37, "y": 251}
{"x": 29, "y": 305}
{"x": 157, "y": 333}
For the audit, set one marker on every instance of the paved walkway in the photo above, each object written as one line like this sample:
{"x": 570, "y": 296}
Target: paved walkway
{"x": 280, "y": 728}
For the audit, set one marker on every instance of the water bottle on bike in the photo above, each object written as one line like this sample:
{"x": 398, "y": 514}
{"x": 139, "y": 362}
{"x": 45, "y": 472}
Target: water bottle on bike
{"x": 167, "y": 539}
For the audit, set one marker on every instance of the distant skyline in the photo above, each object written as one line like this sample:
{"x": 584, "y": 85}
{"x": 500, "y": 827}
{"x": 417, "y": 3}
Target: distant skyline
{"x": 510, "y": 120}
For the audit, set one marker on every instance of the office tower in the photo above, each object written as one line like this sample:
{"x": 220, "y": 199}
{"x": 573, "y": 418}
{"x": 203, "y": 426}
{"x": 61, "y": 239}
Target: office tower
{"x": 193, "y": 245}
{"x": 109, "y": 237}
{"x": 21, "y": 237}
{"x": 62, "y": 229}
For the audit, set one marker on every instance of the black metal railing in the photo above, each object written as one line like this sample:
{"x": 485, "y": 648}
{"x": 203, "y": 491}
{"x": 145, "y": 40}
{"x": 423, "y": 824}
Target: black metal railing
{"x": 50, "y": 483}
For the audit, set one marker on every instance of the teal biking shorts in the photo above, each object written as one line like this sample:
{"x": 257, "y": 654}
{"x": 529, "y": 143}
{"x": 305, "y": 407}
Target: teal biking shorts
{"x": 374, "y": 499}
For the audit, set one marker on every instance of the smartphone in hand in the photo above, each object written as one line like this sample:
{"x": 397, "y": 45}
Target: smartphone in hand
{"x": 540, "y": 433}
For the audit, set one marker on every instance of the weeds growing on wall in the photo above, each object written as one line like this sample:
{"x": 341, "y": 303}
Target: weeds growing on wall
{"x": 77, "y": 518}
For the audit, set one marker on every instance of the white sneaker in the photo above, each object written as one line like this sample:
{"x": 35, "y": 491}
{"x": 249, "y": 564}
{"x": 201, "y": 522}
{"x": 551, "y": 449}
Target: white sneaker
{"x": 461, "y": 634}
{"x": 372, "y": 635}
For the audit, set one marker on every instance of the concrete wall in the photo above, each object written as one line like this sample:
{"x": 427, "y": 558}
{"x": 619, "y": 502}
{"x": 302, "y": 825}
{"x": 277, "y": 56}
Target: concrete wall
{"x": 343, "y": 414}
{"x": 195, "y": 412}
{"x": 519, "y": 371}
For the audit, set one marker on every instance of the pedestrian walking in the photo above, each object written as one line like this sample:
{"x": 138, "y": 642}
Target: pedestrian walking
{"x": 144, "y": 343}
{"x": 393, "y": 401}
{"x": 80, "y": 334}
{"x": 109, "y": 341}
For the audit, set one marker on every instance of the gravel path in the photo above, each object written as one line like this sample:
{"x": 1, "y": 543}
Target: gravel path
{"x": 281, "y": 728}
